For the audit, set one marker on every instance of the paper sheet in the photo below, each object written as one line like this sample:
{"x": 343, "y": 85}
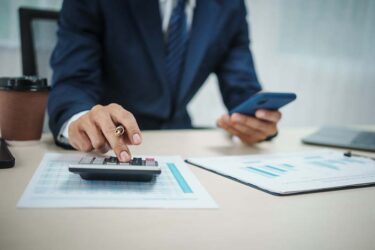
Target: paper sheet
{"x": 294, "y": 173}
{"x": 53, "y": 186}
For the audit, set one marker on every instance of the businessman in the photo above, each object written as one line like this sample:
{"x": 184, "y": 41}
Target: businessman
{"x": 138, "y": 63}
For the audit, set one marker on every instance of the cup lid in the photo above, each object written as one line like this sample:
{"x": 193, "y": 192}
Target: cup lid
{"x": 24, "y": 83}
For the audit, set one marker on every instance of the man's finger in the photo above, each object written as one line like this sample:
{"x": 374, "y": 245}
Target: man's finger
{"x": 229, "y": 127}
{"x": 247, "y": 138}
{"x": 265, "y": 127}
{"x": 125, "y": 118}
{"x": 118, "y": 144}
{"x": 83, "y": 142}
{"x": 104, "y": 149}
{"x": 95, "y": 135}
{"x": 78, "y": 139}
{"x": 268, "y": 115}
{"x": 223, "y": 119}
{"x": 246, "y": 134}
{"x": 246, "y": 130}
{"x": 231, "y": 130}
{"x": 250, "y": 139}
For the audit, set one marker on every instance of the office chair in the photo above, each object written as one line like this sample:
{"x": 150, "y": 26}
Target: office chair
{"x": 38, "y": 37}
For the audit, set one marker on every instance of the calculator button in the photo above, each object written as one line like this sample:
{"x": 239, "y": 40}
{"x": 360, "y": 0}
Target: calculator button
{"x": 86, "y": 160}
{"x": 136, "y": 161}
{"x": 99, "y": 160}
{"x": 150, "y": 162}
{"x": 111, "y": 161}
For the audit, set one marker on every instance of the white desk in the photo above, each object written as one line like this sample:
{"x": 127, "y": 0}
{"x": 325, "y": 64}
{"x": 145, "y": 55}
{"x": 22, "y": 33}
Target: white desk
{"x": 247, "y": 218}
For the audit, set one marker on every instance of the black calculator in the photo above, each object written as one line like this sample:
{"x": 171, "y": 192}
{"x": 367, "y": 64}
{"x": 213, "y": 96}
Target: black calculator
{"x": 110, "y": 168}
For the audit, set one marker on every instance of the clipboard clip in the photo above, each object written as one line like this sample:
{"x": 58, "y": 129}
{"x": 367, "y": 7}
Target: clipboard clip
{"x": 350, "y": 154}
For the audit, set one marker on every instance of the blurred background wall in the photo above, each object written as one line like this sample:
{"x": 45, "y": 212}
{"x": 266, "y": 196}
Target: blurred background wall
{"x": 321, "y": 49}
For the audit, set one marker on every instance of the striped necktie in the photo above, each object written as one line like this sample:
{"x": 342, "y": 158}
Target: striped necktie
{"x": 177, "y": 39}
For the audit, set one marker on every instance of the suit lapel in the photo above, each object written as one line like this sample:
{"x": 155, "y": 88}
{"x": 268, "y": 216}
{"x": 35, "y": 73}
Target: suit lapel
{"x": 205, "y": 15}
{"x": 147, "y": 16}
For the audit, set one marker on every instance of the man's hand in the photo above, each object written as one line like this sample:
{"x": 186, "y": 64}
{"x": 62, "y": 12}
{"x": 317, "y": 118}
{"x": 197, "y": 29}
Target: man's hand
{"x": 95, "y": 130}
{"x": 251, "y": 129}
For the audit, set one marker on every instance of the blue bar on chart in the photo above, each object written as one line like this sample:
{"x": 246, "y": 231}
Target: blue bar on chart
{"x": 262, "y": 172}
{"x": 347, "y": 159}
{"x": 179, "y": 178}
{"x": 278, "y": 170}
{"x": 338, "y": 162}
{"x": 324, "y": 164}
{"x": 287, "y": 165}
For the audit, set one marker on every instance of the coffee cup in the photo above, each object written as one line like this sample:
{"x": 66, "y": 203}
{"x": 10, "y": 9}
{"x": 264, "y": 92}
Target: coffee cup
{"x": 22, "y": 107}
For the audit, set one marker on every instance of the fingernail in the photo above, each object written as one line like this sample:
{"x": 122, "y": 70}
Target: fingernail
{"x": 137, "y": 139}
{"x": 260, "y": 113}
{"x": 124, "y": 156}
{"x": 236, "y": 118}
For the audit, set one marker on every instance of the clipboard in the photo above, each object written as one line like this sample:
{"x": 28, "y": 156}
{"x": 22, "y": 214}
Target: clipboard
{"x": 319, "y": 171}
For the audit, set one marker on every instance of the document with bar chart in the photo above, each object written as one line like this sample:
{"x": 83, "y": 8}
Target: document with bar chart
{"x": 53, "y": 186}
{"x": 284, "y": 174}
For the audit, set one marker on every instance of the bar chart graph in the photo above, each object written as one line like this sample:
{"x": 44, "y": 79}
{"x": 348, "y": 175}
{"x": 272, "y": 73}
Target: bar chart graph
{"x": 290, "y": 173}
{"x": 281, "y": 167}
{"x": 271, "y": 171}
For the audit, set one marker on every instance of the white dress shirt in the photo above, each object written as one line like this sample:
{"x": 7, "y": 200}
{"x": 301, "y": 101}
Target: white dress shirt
{"x": 166, "y": 9}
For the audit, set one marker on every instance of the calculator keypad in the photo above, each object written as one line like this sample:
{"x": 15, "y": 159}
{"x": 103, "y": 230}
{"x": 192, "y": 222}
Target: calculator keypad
{"x": 114, "y": 161}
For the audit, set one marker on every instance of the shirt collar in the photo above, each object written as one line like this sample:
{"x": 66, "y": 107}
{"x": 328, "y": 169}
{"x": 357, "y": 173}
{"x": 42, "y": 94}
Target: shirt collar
{"x": 191, "y": 3}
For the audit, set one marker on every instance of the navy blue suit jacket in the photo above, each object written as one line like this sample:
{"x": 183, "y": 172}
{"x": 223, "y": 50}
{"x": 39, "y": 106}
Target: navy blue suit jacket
{"x": 113, "y": 51}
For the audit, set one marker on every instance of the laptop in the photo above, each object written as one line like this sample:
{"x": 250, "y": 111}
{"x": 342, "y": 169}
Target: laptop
{"x": 343, "y": 138}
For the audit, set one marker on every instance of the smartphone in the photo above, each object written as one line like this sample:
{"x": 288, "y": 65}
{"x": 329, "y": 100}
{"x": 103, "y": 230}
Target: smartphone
{"x": 6, "y": 158}
{"x": 264, "y": 100}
